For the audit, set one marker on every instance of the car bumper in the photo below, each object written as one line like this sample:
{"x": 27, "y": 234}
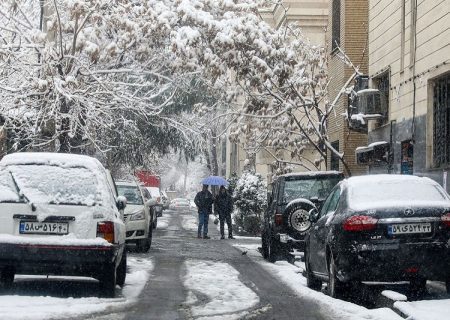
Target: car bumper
{"x": 291, "y": 243}
{"x": 57, "y": 259}
{"x": 136, "y": 230}
{"x": 395, "y": 262}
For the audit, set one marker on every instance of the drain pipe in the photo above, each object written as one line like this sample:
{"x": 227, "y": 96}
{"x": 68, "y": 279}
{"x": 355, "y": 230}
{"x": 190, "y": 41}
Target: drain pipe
{"x": 414, "y": 17}
{"x": 391, "y": 148}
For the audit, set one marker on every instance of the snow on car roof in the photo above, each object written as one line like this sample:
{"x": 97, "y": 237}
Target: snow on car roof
{"x": 47, "y": 158}
{"x": 387, "y": 190}
{"x": 310, "y": 173}
{"x": 126, "y": 183}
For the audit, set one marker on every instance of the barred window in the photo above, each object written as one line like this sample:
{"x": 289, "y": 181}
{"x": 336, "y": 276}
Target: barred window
{"x": 441, "y": 121}
{"x": 334, "y": 161}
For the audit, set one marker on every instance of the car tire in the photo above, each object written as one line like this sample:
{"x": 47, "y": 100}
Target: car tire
{"x": 108, "y": 281}
{"x": 336, "y": 288}
{"x": 298, "y": 218}
{"x": 7, "y": 278}
{"x": 311, "y": 281}
{"x": 122, "y": 270}
{"x": 447, "y": 285}
{"x": 273, "y": 248}
{"x": 417, "y": 288}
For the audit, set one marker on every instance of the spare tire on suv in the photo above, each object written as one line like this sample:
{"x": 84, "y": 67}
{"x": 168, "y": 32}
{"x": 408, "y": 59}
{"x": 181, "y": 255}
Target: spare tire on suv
{"x": 286, "y": 220}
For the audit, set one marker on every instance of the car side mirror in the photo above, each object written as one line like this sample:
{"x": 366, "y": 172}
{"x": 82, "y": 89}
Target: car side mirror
{"x": 151, "y": 202}
{"x": 121, "y": 203}
{"x": 313, "y": 215}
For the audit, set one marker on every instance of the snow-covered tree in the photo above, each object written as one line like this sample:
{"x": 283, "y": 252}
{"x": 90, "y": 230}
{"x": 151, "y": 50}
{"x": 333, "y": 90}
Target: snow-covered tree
{"x": 250, "y": 201}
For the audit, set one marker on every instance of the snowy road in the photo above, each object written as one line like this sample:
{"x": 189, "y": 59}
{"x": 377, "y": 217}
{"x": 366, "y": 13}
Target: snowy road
{"x": 183, "y": 277}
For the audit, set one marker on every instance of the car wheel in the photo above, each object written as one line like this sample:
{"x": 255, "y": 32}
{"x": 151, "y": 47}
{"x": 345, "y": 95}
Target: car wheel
{"x": 336, "y": 287}
{"x": 122, "y": 269}
{"x": 273, "y": 248}
{"x": 417, "y": 288}
{"x": 108, "y": 281}
{"x": 298, "y": 217}
{"x": 7, "y": 278}
{"x": 311, "y": 281}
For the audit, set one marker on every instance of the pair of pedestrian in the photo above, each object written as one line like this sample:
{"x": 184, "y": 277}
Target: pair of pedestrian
{"x": 223, "y": 205}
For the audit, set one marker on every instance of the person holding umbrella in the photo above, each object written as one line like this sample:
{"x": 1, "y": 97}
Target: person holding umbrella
{"x": 224, "y": 207}
{"x": 204, "y": 201}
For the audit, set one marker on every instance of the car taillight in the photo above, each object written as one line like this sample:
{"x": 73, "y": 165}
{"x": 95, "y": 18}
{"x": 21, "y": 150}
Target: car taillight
{"x": 105, "y": 230}
{"x": 360, "y": 223}
{"x": 446, "y": 220}
{"x": 278, "y": 219}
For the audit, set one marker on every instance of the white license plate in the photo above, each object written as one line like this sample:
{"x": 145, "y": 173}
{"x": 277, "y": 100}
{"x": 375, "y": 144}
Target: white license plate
{"x": 43, "y": 227}
{"x": 407, "y": 228}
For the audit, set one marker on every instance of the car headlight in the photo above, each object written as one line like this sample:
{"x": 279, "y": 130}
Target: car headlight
{"x": 137, "y": 216}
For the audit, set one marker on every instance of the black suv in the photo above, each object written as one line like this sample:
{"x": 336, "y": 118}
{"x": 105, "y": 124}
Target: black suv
{"x": 286, "y": 220}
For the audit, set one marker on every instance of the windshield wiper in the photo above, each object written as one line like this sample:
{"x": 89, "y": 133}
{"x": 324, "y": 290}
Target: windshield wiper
{"x": 21, "y": 194}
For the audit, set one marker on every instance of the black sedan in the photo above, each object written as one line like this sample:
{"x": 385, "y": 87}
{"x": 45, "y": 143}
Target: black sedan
{"x": 381, "y": 228}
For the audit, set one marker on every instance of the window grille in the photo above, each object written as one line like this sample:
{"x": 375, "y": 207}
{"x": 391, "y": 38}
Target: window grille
{"x": 336, "y": 24}
{"x": 334, "y": 160}
{"x": 441, "y": 121}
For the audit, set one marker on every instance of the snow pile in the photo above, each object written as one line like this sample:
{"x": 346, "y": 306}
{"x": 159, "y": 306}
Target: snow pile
{"x": 395, "y": 296}
{"x": 21, "y": 307}
{"x": 425, "y": 309}
{"x": 227, "y": 296}
{"x": 190, "y": 222}
{"x": 64, "y": 240}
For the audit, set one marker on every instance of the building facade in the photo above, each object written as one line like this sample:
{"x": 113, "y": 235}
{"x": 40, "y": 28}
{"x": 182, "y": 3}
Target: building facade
{"x": 347, "y": 29}
{"x": 409, "y": 61}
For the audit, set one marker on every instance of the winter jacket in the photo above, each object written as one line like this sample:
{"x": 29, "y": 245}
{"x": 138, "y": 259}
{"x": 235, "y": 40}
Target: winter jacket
{"x": 223, "y": 204}
{"x": 204, "y": 200}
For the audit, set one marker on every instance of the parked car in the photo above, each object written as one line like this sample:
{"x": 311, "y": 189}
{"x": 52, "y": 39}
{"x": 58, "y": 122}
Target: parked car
{"x": 380, "y": 228}
{"x": 152, "y": 204}
{"x": 154, "y": 191}
{"x": 139, "y": 219}
{"x": 180, "y": 204}
{"x": 60, "y": 215}
{"x": 286, "y": 220}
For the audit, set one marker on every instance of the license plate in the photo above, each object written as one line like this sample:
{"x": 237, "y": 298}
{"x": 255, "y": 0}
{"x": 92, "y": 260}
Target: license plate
{"x": 408, "y": 228}
{"x": 43, "y": 227}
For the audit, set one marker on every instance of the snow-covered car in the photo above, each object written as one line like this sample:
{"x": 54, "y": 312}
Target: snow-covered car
{"x": 139, "y": 218}
{"x": 156, "y": 194}
{"x": 60, "y": 215}
{"x": 180, "y": 204}
{"x": 380, "y": 228}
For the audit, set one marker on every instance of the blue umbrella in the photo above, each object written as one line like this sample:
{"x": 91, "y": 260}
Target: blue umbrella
{"x": 215, "y": 181}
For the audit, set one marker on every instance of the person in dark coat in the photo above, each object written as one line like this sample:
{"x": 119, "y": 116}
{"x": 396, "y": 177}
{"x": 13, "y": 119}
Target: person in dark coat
{"x": 224, "y": 207}
{"x": 204, "y": 201}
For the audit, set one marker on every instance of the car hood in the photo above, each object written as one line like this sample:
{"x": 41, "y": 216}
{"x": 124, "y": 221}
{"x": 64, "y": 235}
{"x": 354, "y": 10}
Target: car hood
{"x": 132, "y": 208}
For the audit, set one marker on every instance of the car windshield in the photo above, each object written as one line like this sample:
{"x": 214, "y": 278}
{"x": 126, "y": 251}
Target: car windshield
{"x": 49, "y": 184}
{"x": 132, "y": 193}
{"x": 391, "y": 192}
{"x": 308, "y": 188}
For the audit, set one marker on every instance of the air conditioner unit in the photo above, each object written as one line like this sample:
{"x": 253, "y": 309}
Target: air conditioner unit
{"x": 367, "y": 104}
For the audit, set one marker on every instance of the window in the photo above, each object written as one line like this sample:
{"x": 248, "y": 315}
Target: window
{"x": 334, "y": 160}
{"x": 336, "y": 25}
{"x": 441, "y": 121}
{"x": 382, "y": 84}
{"x": 332, "y": 201}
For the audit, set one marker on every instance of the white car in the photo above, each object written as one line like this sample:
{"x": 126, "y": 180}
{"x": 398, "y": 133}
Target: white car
{"x": 139, "y": 218}
{"x": 180, "y": 204}
{"x": 156, "y": 194}
{"x": 60, "y": 215}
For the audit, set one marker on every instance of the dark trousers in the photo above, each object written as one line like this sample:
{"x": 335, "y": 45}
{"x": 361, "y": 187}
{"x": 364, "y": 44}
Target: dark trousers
{"x": 203, "y": 219}
{"x": 222, "y": 219}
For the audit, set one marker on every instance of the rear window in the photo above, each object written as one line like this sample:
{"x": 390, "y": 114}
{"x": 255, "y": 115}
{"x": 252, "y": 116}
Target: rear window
{"x": 132, "y": 193}
{"x": 49, "y": 184}
{"x": 308, "y": 188}
{"x": 392, "y": 192}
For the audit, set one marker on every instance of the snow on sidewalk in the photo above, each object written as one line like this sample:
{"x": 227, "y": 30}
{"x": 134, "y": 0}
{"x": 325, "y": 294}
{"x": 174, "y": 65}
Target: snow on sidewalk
{"x": 425, "y": 309}
{"x": 45, "y": 307}
{"x": 292, "y": 276}
{"x": 215, "y": 291}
